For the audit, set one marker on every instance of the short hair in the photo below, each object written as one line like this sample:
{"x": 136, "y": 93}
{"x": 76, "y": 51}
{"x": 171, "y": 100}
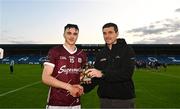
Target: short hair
{"x": 107, "y": 25}
{"x": 68, "y": 26}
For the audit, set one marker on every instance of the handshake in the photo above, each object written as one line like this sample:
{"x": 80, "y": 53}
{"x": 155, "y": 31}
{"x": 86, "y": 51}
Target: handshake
{"x": 75, "y": 90}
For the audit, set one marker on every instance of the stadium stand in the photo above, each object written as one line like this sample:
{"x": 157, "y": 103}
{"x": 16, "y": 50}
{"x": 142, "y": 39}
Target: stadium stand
{"x": 36, "y": 53}
{"x": 170, "y": 59}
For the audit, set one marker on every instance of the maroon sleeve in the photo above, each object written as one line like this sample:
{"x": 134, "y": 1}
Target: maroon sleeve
{"x": 51, "y": 56}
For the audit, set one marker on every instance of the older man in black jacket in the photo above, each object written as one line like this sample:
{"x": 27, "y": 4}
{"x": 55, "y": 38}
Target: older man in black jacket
{"x": 114, "y": 67}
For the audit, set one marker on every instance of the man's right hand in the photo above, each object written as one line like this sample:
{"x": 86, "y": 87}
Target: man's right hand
{"x": 94, "y": 73}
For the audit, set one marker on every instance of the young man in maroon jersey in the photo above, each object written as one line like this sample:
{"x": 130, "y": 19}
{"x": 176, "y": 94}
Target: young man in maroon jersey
{"x": 62, "y": 72}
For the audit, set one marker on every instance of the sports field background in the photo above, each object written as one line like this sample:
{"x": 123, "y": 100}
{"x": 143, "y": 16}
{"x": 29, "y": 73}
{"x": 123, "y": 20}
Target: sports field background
{"x": 23, "y": 89}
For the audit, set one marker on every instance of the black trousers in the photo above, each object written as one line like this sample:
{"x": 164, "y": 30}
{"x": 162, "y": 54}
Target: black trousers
{"x": 116, "y": 103}
{"x": 11, "y": 69}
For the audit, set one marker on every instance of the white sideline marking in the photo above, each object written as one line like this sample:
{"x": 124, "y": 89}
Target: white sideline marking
{"x": 3, "y": 94}
{"x": 168, "y": 75}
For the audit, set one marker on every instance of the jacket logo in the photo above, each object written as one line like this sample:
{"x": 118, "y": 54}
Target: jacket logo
{"x": 133, "y": 58}
{"x": 117, "y": 57}
{"x": 103, "y": 59}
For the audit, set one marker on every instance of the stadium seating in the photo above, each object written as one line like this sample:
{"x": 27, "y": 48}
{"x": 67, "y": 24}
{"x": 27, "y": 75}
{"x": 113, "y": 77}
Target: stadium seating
{"x": 36, "y": 59}
{"x": 170, "y": 59}
{"x": 24, "y": 59}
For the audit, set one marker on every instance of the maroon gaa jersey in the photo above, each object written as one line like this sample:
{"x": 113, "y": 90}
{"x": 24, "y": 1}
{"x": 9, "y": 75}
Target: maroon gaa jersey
{"x": 67, "y": 66}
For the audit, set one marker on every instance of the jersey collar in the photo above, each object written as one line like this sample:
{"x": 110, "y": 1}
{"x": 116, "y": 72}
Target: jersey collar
{"x": 69, "y": 50}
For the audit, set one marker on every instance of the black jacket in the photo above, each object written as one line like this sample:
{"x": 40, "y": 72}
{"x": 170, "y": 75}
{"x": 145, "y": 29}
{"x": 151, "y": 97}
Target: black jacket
{"x": 117, "y": 66}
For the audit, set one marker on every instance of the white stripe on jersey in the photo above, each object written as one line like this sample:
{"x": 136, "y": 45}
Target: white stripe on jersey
{"x": 64, "y": 107}
{"x": 48, "y": 63}
{"x": 48, "y": 95}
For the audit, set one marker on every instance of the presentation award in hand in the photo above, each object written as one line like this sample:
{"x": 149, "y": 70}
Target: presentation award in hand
{"x": 84, "y": 75}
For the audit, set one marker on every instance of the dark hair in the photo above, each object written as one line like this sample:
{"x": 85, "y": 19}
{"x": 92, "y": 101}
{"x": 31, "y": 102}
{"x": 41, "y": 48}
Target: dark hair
{"x": 68, "y": 26}
{"x": 107, "y": 25}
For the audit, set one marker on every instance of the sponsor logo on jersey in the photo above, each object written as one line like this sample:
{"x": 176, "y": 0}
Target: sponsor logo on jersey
{"x": 64, "y": 69}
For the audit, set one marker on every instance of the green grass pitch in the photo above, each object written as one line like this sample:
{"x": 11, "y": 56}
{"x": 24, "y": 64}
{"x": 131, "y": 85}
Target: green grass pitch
{"x": 24, "y": 89}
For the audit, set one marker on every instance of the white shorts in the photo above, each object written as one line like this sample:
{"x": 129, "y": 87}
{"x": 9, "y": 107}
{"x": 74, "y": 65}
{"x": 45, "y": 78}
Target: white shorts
{"x": 63, "y": 107}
